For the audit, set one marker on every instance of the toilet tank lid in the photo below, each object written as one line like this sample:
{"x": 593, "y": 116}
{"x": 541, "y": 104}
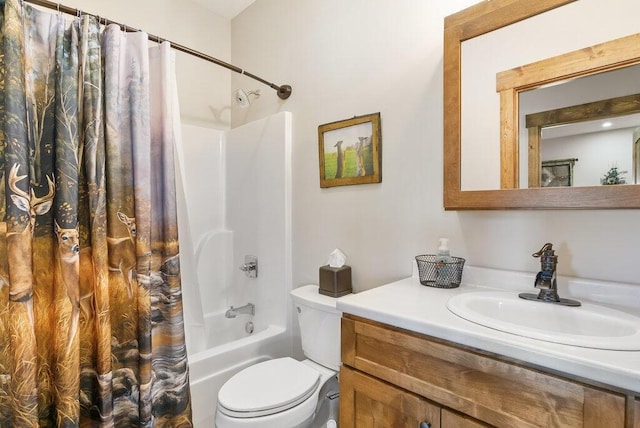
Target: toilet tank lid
{"x": 309, "y": 295}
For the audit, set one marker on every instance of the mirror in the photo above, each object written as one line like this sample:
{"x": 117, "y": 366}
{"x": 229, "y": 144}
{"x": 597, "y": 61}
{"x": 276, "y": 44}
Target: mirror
{"x": 483, "y": 19}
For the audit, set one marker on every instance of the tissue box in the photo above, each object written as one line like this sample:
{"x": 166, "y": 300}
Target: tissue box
{"x": 335, "y": 282}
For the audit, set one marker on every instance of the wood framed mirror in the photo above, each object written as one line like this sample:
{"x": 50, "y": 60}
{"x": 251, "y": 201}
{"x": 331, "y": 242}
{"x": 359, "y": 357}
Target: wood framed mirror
{"x": 484, "y": 18}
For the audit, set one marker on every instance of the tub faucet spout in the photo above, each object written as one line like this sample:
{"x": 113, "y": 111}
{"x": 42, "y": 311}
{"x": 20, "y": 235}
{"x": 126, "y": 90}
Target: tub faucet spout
{"x": 249, "y": 309}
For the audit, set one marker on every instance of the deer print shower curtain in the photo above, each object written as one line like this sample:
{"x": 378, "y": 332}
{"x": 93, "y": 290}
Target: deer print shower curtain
{"x": 91, "y": 328}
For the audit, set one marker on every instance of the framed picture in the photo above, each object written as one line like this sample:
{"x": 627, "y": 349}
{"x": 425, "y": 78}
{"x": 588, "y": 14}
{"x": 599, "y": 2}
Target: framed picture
{"x": 557, "y": 173}
{"x": 350, "y": 151}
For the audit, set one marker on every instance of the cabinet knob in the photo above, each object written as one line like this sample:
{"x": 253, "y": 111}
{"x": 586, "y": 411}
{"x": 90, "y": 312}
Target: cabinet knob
{"x": 425, "y": 424}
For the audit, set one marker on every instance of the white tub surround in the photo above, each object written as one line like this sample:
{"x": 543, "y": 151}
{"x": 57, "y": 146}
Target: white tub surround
{"x": 409, "y": 305}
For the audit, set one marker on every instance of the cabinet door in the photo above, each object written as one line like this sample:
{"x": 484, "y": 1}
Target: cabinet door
{"x": 366, "y": 402}
{"x": 637, "y": 414}
{"x": 451, "y": 419}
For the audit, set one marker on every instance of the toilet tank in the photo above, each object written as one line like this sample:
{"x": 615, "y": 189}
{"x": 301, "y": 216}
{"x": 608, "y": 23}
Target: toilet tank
{"x": 319, "y": 322}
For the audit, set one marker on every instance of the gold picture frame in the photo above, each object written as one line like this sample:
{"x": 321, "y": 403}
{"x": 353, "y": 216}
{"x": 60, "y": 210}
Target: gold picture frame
{"x": 350, "y": 151}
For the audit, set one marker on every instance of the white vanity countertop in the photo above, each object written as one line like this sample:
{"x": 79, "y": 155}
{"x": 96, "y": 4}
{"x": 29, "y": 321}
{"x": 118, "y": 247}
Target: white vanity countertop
{"x": 409, "y": 305}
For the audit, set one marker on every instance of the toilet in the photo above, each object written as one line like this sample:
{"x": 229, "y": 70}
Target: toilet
{"x": 284, "y": 392}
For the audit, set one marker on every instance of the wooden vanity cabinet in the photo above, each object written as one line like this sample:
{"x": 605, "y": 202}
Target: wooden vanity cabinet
{"x": 396, "y": 378}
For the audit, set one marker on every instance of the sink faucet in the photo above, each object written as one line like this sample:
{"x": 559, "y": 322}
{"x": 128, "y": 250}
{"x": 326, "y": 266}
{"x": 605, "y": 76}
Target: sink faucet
{"x": 546, "y": 279}
{"x": 249, "y": 309}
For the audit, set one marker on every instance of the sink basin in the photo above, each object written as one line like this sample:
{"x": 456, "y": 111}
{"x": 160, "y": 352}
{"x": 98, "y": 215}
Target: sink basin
{"x": 588, "y": 326}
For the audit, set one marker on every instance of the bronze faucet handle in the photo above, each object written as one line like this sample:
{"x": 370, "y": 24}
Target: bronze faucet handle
{"x": 547, "y": 250}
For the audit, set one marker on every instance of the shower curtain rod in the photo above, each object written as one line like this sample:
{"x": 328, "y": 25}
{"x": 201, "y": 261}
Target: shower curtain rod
{"x": 283, "y": 91}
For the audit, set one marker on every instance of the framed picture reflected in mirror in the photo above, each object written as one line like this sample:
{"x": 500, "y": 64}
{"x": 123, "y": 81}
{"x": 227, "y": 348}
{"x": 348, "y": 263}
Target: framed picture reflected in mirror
{"x": 557, "y": 173}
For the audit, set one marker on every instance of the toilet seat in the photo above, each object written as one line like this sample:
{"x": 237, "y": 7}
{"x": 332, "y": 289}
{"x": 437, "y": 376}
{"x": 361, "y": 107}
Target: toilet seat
{"x": 267, "y": 388}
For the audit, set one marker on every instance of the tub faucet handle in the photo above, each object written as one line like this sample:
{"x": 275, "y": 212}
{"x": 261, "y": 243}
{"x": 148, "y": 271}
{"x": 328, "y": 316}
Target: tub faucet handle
{"x": 250, "y": 266}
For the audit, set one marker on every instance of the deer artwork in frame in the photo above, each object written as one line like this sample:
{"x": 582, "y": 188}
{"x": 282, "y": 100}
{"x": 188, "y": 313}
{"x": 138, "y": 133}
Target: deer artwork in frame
{"x": 350, "y": 151}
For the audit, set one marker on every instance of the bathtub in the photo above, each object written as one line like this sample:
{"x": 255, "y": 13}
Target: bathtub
{"x": 219, "y": 350}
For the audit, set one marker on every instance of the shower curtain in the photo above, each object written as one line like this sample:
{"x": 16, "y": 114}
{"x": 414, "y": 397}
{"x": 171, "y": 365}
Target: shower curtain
{"x": 91, "y": 329}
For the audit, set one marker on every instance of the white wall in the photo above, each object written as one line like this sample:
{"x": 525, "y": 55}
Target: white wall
{"x": 346, "y": 58}
{"x": 203, "y": 87}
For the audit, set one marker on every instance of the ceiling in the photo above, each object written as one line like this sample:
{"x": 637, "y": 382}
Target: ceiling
{"x": 226, "y": 8}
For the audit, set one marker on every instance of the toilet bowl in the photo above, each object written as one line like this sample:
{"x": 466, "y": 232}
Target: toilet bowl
{"x": 284, "y": 392}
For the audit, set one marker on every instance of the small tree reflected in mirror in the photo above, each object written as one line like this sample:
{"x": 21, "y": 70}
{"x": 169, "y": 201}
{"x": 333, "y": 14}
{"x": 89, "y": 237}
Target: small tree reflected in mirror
{"x": 613, "y": 176}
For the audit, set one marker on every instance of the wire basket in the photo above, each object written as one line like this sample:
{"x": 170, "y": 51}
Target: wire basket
{"x": 443, "y": 274}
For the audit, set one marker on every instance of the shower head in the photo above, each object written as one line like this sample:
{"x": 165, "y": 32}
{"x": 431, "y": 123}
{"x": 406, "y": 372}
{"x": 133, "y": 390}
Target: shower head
{"x": 243, "y": 99}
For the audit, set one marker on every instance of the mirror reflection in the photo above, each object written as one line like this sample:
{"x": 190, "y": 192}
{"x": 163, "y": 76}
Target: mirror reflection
{"x": 485, "y": 56}
{"x": 592, "y": 158}
{"x": 590, "y": 120}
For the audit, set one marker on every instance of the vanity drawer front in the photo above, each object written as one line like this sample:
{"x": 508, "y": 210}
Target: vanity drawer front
{"x": 366, "y": 402}
{"x": 451, "y": 419}
{"x": 492, "y": 390}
